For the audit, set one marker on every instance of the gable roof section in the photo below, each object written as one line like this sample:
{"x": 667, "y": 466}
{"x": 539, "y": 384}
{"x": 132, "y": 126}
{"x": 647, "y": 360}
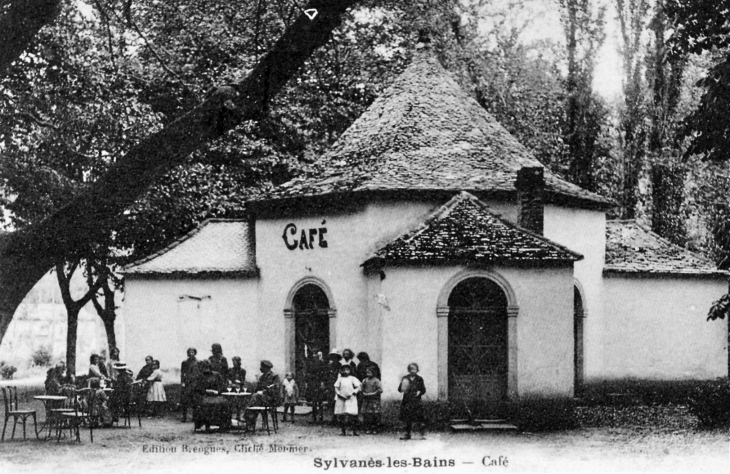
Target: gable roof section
{"x": 425, "y": 133}
{"x": 633, "y": 249}
{"x": 216, "y": 247}
{"x": 466, "y": 231}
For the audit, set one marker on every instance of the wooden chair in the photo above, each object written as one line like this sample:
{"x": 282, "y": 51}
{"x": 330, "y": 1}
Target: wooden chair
{"x": 135, "y": 404}
{"x": 73, "y": 420}
{"x": 10, "y": 399}
{"x": 266, "y": 412}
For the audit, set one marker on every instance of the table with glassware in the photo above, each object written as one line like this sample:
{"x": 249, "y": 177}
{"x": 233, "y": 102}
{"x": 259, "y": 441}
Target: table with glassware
{"x": 238, "y": 400}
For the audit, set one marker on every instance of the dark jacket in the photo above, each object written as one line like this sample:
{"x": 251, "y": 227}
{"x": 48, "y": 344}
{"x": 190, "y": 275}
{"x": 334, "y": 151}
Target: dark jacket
{"x": 237, "y": 373}
{"x": 219, "y": 365}
{"x": 363, "y": 366}
{"x": 189, "y": 372}
{"x": 145, "y": 372}
{"x": 270, "y": 384}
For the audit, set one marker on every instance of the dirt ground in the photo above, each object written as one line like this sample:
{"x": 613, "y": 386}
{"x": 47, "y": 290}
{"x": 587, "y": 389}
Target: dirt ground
{"x": 167, "y": 445}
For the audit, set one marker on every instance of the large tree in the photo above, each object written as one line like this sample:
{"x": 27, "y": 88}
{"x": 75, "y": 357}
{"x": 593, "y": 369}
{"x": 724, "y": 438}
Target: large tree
{"x": 28, "y": 254}
{"x": 701, "y": 26}
{"x": 584, "y": 26}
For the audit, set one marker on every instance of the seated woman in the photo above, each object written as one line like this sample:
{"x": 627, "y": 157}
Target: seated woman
{"x": 237, "y": 374}
{"x": 94, "y": 370}
{"x": 210, "y": 409}
{"x": 55, "y": 379}
{"x": 101, "y": 404}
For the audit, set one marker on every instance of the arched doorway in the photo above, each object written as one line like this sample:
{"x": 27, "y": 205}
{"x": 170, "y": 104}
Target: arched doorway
{"x": 477, "y": 343}
{"x": 578, "y": 315}
{"x": 311, "y": 309}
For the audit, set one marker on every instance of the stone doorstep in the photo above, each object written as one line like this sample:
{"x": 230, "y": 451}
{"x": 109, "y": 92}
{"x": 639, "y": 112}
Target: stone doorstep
{"x": 483, "y": 425}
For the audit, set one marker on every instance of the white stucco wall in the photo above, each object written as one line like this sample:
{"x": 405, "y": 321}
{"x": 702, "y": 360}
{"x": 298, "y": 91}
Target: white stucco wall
{"x": 584, "y": 231}
{"x": 351, "y": 239}
{"x": 657, "y": 328}
{"x": 544, "y": 326}
{"x": 160, "y": 324}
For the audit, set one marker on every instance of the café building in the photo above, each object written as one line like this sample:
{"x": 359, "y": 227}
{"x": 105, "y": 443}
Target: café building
{"x": 428, "y": 234}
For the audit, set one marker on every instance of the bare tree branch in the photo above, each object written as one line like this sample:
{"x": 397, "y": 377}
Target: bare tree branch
{"x": 29, "y": 253}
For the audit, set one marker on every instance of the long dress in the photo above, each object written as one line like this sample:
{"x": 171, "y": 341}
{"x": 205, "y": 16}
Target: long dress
{"x": 211, "y": 409}
{"x": 371, "y": 404}
{"x": 156, "y": 392}
{"x": 346, "y": 387}
{"x": 101, "y": 407}
{"x": 411, "y": 409}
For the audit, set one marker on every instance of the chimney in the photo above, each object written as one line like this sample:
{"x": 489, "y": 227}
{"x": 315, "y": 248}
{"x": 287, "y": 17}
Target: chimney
{"x": 424, "y": 39}
{"x": 530, "y": 184}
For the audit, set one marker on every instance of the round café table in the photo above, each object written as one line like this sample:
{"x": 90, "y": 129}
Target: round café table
{"x": 50, "y": 402}
{"x": 237, "y": 400}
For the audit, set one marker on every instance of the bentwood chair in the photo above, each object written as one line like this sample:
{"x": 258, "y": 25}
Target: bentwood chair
{"x": 136, "y": 403}
{"x": 73, "y": 420}
{"x": 266, "y": 412}
{"x": 10, "y": 399}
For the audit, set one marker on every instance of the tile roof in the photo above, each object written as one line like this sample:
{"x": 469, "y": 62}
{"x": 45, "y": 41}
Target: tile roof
{"x": 425, "y": 133}
{"x": 466, "y": 231}
{"x": 633, "y": 249}
{"x": 217, "y": 246}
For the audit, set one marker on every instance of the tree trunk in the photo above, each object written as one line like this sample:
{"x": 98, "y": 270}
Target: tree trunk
{"x": 28, "y": 254}
{"x": 20, "y": 20}
{"x": 108, "y": 318}
{"x": 71, "y": 335}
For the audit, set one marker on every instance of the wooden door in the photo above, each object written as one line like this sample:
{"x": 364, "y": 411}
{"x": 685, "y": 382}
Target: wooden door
{"x": 477, "y": 344}
{"x": 312, "y": 327}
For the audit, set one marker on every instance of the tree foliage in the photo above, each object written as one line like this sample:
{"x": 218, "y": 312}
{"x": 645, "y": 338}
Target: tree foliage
{"x": 701, "y": 26}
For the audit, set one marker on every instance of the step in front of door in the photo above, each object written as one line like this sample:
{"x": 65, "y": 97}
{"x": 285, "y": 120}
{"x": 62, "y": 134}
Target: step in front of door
{"x": 482, "y": 425}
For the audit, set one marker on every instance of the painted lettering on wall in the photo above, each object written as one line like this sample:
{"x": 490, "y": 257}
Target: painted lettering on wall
{"x": 306, "y": 239}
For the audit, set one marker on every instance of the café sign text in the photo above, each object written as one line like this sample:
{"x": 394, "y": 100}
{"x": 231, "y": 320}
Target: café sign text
{"x": 306, "y": 239}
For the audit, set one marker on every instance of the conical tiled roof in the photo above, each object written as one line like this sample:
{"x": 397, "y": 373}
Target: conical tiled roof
{"x": 466, "y": 231}
{"x": 425, "y": 133}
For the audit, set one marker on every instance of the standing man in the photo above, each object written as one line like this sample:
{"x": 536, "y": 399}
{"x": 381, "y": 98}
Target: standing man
{"x": 188, "y": 375}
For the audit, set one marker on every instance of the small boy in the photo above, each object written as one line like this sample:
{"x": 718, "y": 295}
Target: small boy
{"x": 411, "y": 410}
{"x": 290, "y": 394}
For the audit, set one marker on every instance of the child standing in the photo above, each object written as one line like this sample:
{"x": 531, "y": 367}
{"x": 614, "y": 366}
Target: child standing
{"x": 290, "y": 394}
{"x": 371, "y": 390}
{"x": 346, "y": 389}
{"x": 411, "y": 410}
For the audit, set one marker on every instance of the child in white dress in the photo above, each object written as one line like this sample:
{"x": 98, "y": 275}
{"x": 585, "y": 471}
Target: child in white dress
{"x": 156, "y": 393}
{"x": 290, "y": 395}
{"x": 346, "y": 389}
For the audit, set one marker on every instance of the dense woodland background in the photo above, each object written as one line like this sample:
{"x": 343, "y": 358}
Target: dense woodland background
{"x": 102, "y": 75}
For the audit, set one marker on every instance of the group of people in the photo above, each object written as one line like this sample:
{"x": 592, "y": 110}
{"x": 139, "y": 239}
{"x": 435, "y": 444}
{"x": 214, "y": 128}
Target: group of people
{"x": 101, "y": 374}
{"x": 203, "y": 380}
{"x": 346, "y": 389}
{"x": 355, "y": 389}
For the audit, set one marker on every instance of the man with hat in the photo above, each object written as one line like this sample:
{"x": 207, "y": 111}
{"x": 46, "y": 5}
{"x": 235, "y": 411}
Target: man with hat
{"x": 267, "y": 391}
{"x": 120, "y": 397}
